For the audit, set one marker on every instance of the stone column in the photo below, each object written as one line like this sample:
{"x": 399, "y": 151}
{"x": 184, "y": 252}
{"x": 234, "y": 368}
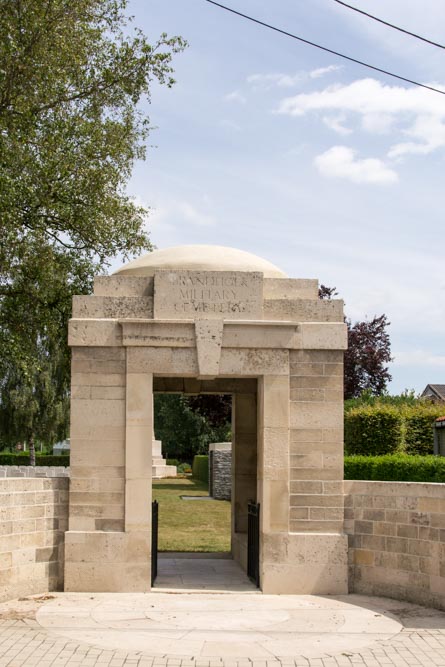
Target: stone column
{"x": 95, "y": 539}
{"x": 273, "y": 482}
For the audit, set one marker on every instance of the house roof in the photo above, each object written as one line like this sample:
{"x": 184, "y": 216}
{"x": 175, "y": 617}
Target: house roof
{"x": 437, "y": 389}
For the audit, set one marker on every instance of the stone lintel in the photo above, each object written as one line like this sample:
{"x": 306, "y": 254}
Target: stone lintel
{"x": 193, "y": 386}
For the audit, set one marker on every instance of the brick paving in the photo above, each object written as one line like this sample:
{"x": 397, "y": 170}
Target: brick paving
{"x": 24, "y": 643}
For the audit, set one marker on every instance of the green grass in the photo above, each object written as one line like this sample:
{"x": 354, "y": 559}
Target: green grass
{"x": 191, "y": 525}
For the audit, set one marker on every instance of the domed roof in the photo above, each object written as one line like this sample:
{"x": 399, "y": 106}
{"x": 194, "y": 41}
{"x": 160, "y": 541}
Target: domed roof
{"x": 200, "y": 258}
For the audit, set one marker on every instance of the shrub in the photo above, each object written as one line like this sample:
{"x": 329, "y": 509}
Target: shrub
{"x": 396, "y": 468}
{"x": 41, "y": 460}
{"x": 373, "y": 430}
{"x": 419, "y": 438}
{"x": 173, "y": 462}
{"x": 200, "y": 468}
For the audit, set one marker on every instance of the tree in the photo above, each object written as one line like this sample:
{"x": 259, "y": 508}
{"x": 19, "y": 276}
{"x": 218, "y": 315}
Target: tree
{"x": 369, "y": 350}
{"x": 71, "y": 77}
{"x": 186, "y": 431}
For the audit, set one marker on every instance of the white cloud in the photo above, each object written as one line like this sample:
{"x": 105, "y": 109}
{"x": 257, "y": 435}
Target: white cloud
{"x": 336, "y": 123}
{"x": 235, "y": 96}
{"x": 321, "y": 71}
{"x": 283, "y": 80}
{"x": 430, "y": 133}
{"x": 341, "y": 162}
{"x": 413, "y": 112}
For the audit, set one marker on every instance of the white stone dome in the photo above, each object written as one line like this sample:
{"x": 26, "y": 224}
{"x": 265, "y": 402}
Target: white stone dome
{"x": 200, "y": 258}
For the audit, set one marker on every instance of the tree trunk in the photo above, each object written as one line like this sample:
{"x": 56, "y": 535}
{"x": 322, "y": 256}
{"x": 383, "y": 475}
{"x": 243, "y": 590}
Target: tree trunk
{"x": 32, "y": 451}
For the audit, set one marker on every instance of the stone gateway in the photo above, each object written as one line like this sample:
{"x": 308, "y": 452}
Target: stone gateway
{"x": 208, "y": 319}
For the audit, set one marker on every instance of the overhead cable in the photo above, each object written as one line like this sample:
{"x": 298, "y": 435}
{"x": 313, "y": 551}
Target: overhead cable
{"x": 325, "y": 48}
{"x": 390, "y": 25}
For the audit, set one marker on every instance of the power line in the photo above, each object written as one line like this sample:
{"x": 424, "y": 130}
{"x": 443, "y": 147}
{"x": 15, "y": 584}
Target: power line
{"x": 325, "y": 48}
{"x": 390, "y": 25}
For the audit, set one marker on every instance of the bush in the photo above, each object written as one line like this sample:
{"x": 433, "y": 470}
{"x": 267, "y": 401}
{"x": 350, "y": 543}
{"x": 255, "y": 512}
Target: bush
{"x": 372, "y": 430}
{"x": 200, "y": 468}
{"x": 396, "y": 468}
{"x": 173, "y": 462}
{"x": 41, "y": 460}
{"x": 419, "y": 438}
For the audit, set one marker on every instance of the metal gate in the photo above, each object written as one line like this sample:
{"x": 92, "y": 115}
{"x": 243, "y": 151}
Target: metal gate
{"x": 253, "y": 542}
{"x": 154, "y": 540}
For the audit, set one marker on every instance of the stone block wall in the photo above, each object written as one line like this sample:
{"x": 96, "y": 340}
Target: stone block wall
{"x": 34, "y": 471}
{"x": 220, "y": 470}
{"x": 33, "y": 519}
{"x": 316, "y": 441}
{"x": 397, "y": 540}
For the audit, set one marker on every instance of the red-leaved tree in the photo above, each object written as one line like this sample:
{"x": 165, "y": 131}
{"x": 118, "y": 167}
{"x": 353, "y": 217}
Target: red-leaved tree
{"x": 368, "y": 353}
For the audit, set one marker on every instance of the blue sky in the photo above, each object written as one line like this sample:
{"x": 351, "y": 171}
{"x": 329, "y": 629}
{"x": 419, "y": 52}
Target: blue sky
{"x": 327, "y": 169}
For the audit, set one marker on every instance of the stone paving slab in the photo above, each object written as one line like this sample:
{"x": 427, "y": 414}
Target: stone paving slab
{"x": 112, "y": 630}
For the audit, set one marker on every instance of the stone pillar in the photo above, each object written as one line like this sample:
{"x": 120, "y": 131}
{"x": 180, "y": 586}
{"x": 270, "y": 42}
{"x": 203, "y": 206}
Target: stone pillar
{"x": 273, "y": 483}
{"x": 93, "y": 543}
{"x": 108, "y": 544}
{"x": 244, "y": 469}
{"x": 318, "y": 545}
{"x": 220, "y": 470}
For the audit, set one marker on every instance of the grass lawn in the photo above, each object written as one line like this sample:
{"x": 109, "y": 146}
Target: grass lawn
{"x": 190, "y": 525}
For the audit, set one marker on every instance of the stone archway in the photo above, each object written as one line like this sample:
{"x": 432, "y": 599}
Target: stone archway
{"x": 203, "y": 314}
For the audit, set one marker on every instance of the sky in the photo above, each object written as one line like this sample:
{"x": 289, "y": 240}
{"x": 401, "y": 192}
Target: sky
{"x": 325, "y": 168}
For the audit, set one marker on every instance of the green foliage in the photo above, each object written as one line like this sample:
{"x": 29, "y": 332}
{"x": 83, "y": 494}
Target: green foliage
{"x": 373, "y": 430}
{"x": 367, "y": 398}
{"x": 71, "y": 77}
{"x": 200, "y": 468}
{"x": 419, "y": 422}
{"x": 384, "y": 424}
{"x": 396, "y": 468}
{"x": 183, "y": 431}
{"x": 173, "y": 462}
{"x": 41, "y": 460}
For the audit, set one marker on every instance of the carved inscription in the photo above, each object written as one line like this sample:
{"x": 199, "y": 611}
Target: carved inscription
{"x": 208, "y": 295}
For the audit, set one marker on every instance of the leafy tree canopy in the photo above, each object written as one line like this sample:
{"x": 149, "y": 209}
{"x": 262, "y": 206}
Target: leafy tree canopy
{"x": 368, "y": 353}
{"x": 71, "y": 76}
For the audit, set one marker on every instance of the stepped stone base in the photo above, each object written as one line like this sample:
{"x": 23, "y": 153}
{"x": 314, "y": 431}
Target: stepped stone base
{"x": 160, "y": 468}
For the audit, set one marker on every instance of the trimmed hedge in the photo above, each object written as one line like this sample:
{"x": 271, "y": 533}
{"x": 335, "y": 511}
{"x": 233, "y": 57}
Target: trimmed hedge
{"x": 396, "y": 468}
{"x": 419, "y": 422}
{"x": 373, "y": 430}
{"x": 41, "y": 460}
{"x": 200, "y": 467}
{"x": 382, "y": 428}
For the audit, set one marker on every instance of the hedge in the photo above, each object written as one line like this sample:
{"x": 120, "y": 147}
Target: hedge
{"x": 396, "y": 468}
{"x": 200, "y": 467}
{"x": 382, "y": 428}
{"x": 373, "y": 430}
{"x": 419, "y": 428}
{"x": 41, "y": 460}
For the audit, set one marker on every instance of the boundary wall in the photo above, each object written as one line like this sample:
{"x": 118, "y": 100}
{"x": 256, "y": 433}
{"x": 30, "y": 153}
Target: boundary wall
{"x": 397, "y": 540}
{"x": 33, "y": 520}
{"x": 34, "y": 471}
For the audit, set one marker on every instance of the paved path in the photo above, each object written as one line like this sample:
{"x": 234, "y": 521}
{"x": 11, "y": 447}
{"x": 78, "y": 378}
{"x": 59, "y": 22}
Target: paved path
{"x": 218, "y": 630}
{"x": 206, "y": 613}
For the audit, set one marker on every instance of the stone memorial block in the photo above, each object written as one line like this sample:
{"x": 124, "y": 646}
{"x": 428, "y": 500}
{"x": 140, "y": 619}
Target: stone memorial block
{"x": 189, "y": 295}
